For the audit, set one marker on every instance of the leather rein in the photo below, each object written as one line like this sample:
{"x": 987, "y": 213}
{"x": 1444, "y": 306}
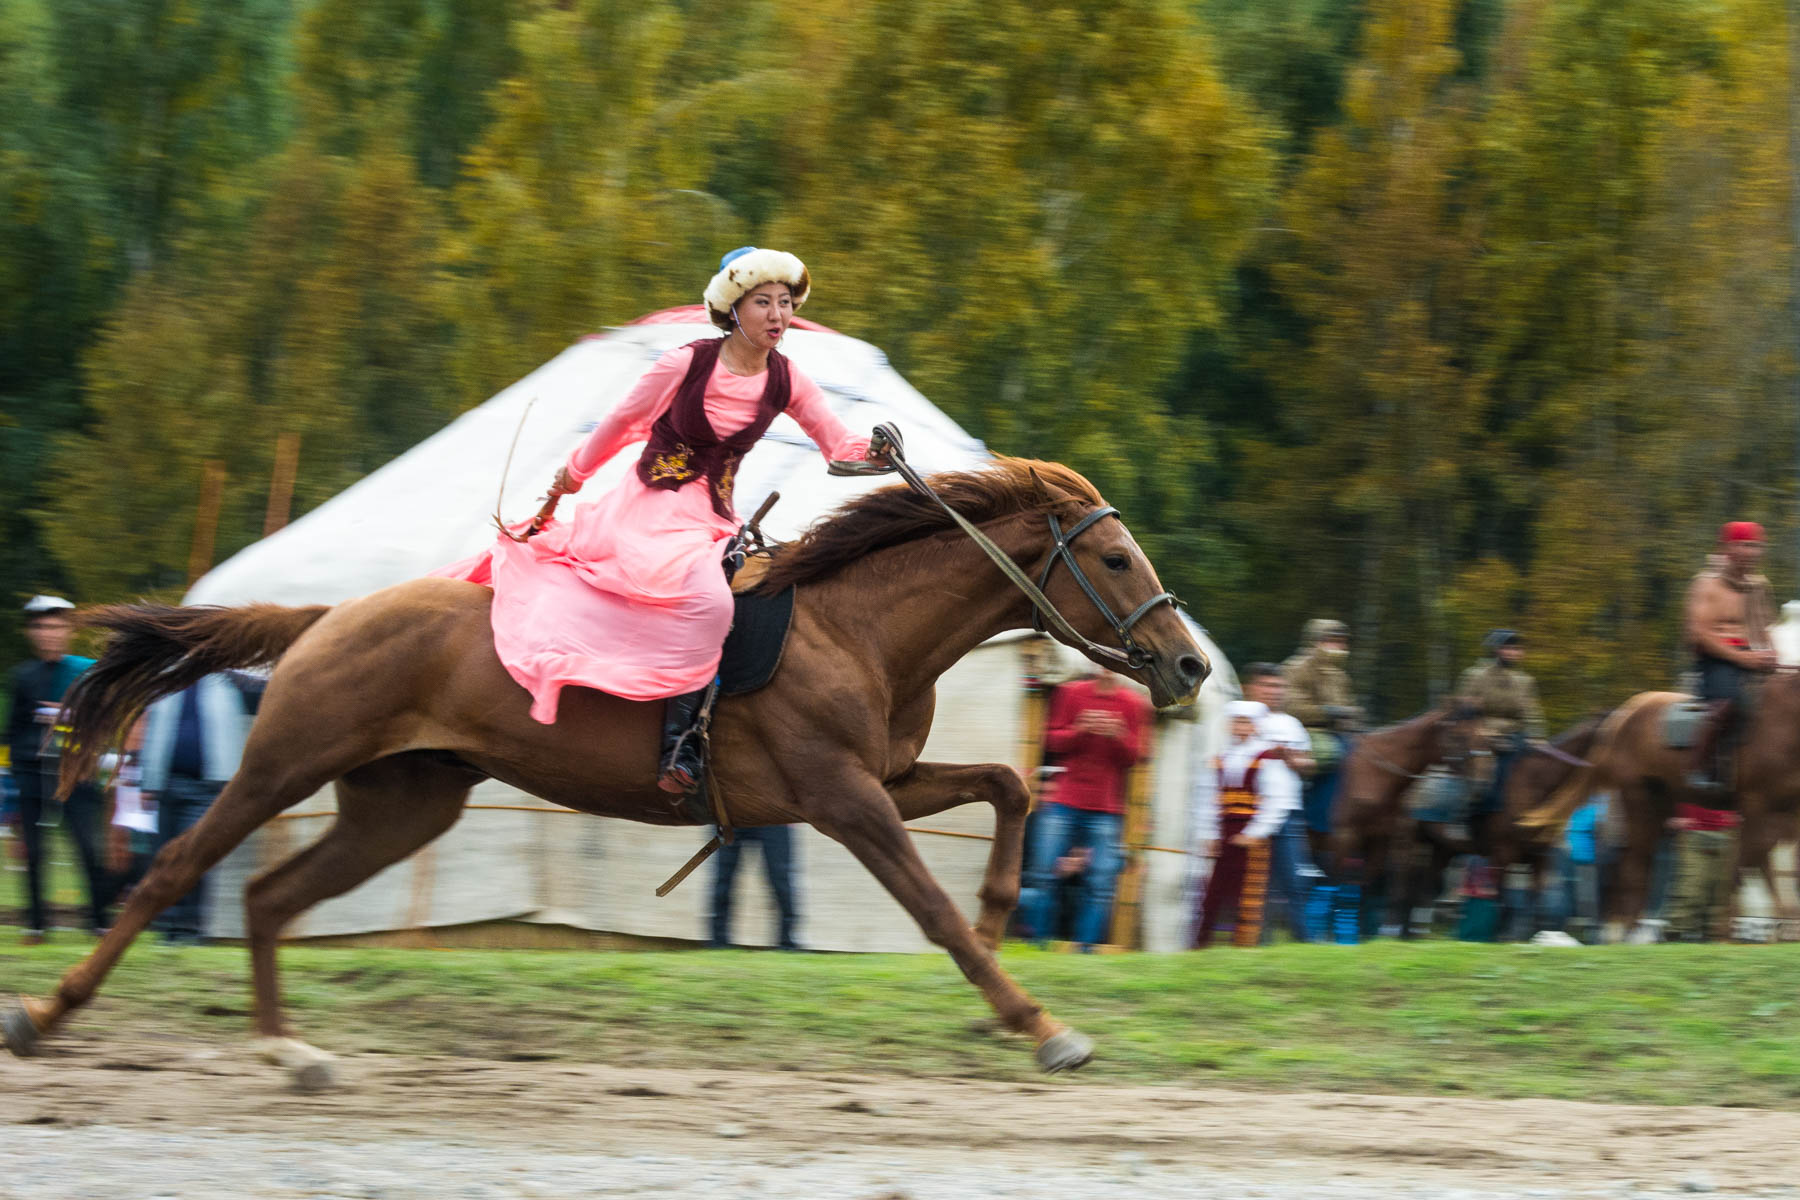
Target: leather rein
{"x": 1560, "y": 755}
{"x": 1045, "y": 617}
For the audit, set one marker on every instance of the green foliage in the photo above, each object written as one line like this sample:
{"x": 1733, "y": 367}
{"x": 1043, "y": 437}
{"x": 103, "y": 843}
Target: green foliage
{"x": 161, "y": 101}
{"x": 1429, "y": 314}
{"x": 51, "y": 281}
{"x": 1288, "y": 57}
{"x": 1519, "y": 341}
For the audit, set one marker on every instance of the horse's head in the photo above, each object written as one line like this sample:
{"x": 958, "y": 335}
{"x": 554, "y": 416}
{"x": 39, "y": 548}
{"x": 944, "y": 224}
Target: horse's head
{"x": 1101, "y": 582}
{"x": 1460, "y": 742}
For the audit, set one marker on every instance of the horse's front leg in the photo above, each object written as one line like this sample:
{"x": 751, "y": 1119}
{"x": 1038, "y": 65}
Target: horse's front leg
{"x": 1787, "y": 923}
{"x": 934, "y": 787}
{"x": 850, "y": 806}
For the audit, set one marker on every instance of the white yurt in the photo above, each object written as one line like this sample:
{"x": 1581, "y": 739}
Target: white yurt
{"x": 513, "y": 863}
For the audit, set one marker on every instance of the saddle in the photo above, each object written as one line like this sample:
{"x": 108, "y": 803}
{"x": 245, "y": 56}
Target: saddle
{"x": 1442, "y": 796}
{"x": 753, "y": 648}
{"x": 1683, "y": 722}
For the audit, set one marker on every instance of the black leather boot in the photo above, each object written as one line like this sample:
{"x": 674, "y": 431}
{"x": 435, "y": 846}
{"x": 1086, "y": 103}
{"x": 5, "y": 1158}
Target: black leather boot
{"x": 683, "y": 763}
{"x": 1709, "y": 770}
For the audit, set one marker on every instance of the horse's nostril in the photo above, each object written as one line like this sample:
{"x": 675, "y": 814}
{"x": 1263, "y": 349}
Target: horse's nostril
{"x": 1192, "y": 667}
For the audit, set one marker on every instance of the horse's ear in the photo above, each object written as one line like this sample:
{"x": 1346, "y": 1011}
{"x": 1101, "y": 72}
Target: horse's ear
{"x": 1038, "y": 486}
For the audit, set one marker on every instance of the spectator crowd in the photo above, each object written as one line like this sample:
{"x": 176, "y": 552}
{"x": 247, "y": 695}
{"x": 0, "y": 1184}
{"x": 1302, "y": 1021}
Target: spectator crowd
{"x": 172, "y": 766}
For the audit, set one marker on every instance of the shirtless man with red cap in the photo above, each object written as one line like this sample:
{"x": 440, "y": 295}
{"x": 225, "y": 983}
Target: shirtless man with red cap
{"x": 1729, "y": 613}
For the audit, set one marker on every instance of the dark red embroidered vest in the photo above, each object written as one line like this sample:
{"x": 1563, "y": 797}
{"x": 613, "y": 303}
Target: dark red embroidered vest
{"x": 684, "y": 446}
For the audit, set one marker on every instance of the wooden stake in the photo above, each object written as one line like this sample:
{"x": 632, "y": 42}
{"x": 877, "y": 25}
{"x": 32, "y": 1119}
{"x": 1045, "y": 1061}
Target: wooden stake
{"x": 1037, "y": 657}
{"x": 206, "y": 520}
{"x": 1128, "y": 892}
{"x": 281, "y": 482}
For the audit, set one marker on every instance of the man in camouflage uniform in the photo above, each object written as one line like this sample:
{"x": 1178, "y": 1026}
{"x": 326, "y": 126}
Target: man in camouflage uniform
{"x": 1318, "y": 694}
{"x": 1511, "y": 716}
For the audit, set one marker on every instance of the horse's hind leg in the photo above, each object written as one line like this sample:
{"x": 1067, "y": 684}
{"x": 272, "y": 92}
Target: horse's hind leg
{"x": 1418, "y": 877}
{"x": 933, "y": 787}
{"x": 854, "y": 809}
{"x": 1628, "y": 898}
{"x": 269, "y": 781}
{"x": 386, "y": 810}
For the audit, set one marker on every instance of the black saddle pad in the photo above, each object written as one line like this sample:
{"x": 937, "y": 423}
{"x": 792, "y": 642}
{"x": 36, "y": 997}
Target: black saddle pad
{"x": 759, "y": 630}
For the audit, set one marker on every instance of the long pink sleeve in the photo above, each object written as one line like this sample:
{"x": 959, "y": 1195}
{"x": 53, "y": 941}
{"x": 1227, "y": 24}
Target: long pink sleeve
{"x": 808, "y": 406}
{"x": 631, "y": 418}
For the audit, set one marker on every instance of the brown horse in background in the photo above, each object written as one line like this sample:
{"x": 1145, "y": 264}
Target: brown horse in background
{"x": 1631, "y": 761}
{"x": 1371, "y": 829}
{"x": 399, "y": 698}
{"x": 1536, "y": 775}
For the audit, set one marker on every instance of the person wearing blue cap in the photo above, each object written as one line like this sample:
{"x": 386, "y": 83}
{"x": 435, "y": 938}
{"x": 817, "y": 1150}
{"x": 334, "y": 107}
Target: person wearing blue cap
{"x": 629, "y": 596}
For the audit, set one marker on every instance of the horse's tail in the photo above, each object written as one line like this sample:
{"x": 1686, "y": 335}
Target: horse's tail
{"x": 1561, "y": 804}
{"x": 156, "y": 650}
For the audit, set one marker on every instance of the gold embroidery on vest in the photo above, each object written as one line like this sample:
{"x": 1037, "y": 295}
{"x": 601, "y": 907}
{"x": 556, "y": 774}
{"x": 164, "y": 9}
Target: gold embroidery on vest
{"x": 673, "y": 465}
{"x": 727, "y": 478}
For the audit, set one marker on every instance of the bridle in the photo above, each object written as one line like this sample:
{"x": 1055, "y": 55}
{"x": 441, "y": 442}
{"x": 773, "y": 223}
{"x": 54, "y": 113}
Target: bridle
{"x": 1135, "y": 656}
{"x": 1045, "y": 617}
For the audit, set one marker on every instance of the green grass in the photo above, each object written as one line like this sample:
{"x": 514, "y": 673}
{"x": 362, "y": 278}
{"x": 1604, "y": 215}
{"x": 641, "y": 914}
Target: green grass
{"x": 1650, "y": 1024}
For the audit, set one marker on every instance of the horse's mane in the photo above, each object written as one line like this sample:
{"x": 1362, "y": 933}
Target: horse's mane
{"x": 895, "y": 515}
{"x": 1450, "y": 710}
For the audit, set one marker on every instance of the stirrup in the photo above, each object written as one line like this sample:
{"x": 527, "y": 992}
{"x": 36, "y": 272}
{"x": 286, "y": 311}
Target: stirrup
{"x": 679, "y": 779}
{"x": 684, "y": 768}
{"x": 683, "y": 777}
{"x": 1702, "y": 784}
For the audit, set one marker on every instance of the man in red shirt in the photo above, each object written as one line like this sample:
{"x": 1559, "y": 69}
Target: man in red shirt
{"x": 1098, "y": 729}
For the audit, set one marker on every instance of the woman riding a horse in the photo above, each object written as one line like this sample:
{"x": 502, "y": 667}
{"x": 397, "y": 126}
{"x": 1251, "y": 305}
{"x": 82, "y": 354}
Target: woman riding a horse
{"x": 405, "y": 700}
{"x": 630, "y": 597}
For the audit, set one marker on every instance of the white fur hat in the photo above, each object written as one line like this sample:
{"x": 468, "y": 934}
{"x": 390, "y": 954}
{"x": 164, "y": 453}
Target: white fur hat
{"x": 747, "y": 268}
{"x": 1256, "y": 710}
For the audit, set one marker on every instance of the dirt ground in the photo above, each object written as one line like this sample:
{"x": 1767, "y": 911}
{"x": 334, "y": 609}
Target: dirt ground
{"x": 101, "y": 1117}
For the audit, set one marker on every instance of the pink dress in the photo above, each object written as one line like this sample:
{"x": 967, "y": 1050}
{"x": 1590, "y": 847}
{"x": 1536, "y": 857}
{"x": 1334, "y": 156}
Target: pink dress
{"x": 629, "y": 596}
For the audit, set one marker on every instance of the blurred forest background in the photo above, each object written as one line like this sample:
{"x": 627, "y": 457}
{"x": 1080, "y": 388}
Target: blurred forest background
{"x": 1431, "y": 316}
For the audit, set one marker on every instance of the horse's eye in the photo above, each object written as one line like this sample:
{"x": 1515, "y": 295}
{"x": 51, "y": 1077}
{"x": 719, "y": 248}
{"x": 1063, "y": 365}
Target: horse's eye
{"x": 1117, "y": 562}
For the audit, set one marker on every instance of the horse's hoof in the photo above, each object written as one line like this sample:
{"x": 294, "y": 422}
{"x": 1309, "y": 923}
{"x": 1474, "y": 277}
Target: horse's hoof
{"x": 317, "y": 1076}
{"x": 19, "y": 1030}
{"x": 1064, "y": 1051}
{"x": 309, "y": 1068}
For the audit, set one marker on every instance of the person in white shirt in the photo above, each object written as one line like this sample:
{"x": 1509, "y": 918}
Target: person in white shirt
{"x": 1238, "y": 803}
{"x": 1292, "y": 874}
{"x": 1785, "y": 635}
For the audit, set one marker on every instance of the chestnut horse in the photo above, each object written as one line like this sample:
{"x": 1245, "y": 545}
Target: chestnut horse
{"x": 1370, "y": 826}
{"x": 1630, "y": 760}
{"x": 399, "y": 698}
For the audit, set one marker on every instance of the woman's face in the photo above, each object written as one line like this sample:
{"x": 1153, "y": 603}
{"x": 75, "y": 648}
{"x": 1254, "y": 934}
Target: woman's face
{"x": 765, "y": 313}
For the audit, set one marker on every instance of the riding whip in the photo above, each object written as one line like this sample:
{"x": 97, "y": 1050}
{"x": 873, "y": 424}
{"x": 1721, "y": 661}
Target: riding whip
{"x": 545, "y": 512}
